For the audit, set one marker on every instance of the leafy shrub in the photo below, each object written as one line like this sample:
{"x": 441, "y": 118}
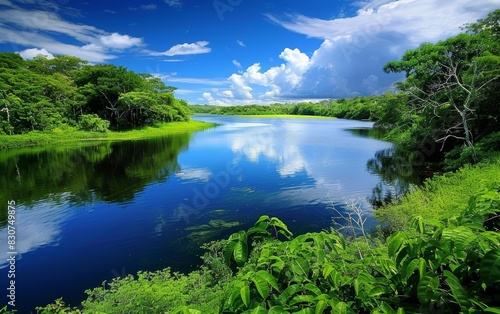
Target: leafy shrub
{"x": 92, "y": 123}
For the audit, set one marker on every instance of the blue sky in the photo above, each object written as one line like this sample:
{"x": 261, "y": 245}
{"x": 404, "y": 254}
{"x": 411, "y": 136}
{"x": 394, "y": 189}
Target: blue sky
{"x": 233, "y": 52}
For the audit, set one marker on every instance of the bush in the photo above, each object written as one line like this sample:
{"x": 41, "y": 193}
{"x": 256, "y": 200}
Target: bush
{"x": 92, "y": 123}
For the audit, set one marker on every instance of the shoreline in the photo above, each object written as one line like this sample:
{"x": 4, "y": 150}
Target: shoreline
{"x": 69, "y": 135}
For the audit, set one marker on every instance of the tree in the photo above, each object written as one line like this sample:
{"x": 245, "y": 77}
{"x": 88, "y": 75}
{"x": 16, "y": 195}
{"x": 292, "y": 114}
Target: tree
{"x": 445, "y": 83}
{"x": 103, "y": 85}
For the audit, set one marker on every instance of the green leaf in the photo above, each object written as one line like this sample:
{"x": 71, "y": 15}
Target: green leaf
{"x": 489, "y": 268}
{"x": 303, "y": 298}
{"x": 427, "y": 287}
{"x": 261, "y": 285}
{"x": 376, "y": 291}
{"x": 386, "y": 309}
{"x": 422, "y": 266}
{"x": 263, "y": 218}
{"x": 395, "y": 242}
{"x": 290, "y": 291}
{"x": 240, "y": 251}
{"x": 320, "y": 307}
{"x": 411, "y": 268}
{"x": 233, "y": 296}
{"x": 268, "y": 278}
{"x": 300, "y": 266}
{"x": 277, "y": 309}
{"x": 314, "y": 289}
{"x": 259, "y": 231}
{"x": 245, "y": 295}
{"x": 495, "y": 310}
{"x": 257, "y": 310}
{"x": 341, "y": 308}
{"x": 228, "y": 250}
{"x": 457, "y": 291}
{"x": 305, "y": 311}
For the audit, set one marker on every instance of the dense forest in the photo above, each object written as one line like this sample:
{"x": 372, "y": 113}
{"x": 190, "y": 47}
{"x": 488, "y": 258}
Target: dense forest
{"x": 439, "y": 250}
{"x": 44, "y": 94}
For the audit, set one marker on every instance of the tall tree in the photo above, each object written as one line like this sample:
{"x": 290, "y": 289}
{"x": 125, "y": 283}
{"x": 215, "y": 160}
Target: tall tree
{"x": 446, "y": 85}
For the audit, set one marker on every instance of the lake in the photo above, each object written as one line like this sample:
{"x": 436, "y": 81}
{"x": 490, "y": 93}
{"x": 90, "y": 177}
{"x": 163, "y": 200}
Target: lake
{"x": 91, "y": 212}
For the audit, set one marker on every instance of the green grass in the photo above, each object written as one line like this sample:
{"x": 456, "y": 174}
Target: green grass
{"x": 443, "y": 195}
{"x": 288, "y": 116}
{"x": 69, "y": 135}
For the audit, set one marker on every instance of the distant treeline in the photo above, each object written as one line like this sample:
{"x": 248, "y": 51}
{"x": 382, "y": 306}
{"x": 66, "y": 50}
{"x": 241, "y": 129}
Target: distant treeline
{"x": 358, "y": 108}
{"x": 43, "y": 94}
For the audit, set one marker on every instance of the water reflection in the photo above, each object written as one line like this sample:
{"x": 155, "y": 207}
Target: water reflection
{"x": 44, "y": 183}
{"x": 399, "y": 171}
{"x": 322, "y": 161}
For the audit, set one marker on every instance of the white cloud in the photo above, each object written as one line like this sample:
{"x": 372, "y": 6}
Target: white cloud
{"x": 37, "y": 29}
{"x": 349, "y": 62}
{"x": 149, "y": 7}
{"x": 209, "y": 99}
{"x": 239, "y": 87}
{"x": 198, "y": 47}
{"x": 237, "y": 64}
{"x": 118, "y": 41}
{"x": 173, "y": 3}
{"x": 242, "y": 44}
{"x": 33, "y": 52}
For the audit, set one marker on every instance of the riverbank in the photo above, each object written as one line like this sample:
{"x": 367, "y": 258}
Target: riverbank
{"x": 69, "y": 135}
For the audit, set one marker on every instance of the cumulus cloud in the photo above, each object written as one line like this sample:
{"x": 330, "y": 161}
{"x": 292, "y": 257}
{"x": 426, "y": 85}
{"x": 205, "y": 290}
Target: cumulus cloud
{"x": 185, "y": 49}
{"x": 118, "y": 41}
{"x": 33, "y": 52}
{"x": 354, "y": 50}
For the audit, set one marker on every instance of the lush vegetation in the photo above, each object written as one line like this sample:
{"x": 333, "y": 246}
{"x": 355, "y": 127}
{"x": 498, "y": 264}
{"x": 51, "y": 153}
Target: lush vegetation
{"x": 449, "y": 264}
{"x": 47, "y": 95}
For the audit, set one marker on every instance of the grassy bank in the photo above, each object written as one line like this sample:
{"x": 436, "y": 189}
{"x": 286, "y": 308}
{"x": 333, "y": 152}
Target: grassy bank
{"x": 443, "y": 196}
{"x": 68, "y": 135}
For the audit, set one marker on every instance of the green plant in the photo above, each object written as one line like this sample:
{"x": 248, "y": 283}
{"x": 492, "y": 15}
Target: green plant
{"x": 92, "y": 123}
{"x": 237, "y": 248}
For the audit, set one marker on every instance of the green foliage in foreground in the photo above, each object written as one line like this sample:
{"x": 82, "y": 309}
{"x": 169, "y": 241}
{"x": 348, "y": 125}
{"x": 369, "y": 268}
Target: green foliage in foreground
{"x": 67, "y": 134}
{"x": 446, "y": 265}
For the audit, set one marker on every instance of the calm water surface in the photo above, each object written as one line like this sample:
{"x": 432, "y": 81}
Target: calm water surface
{"x": 90, "y": 213}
